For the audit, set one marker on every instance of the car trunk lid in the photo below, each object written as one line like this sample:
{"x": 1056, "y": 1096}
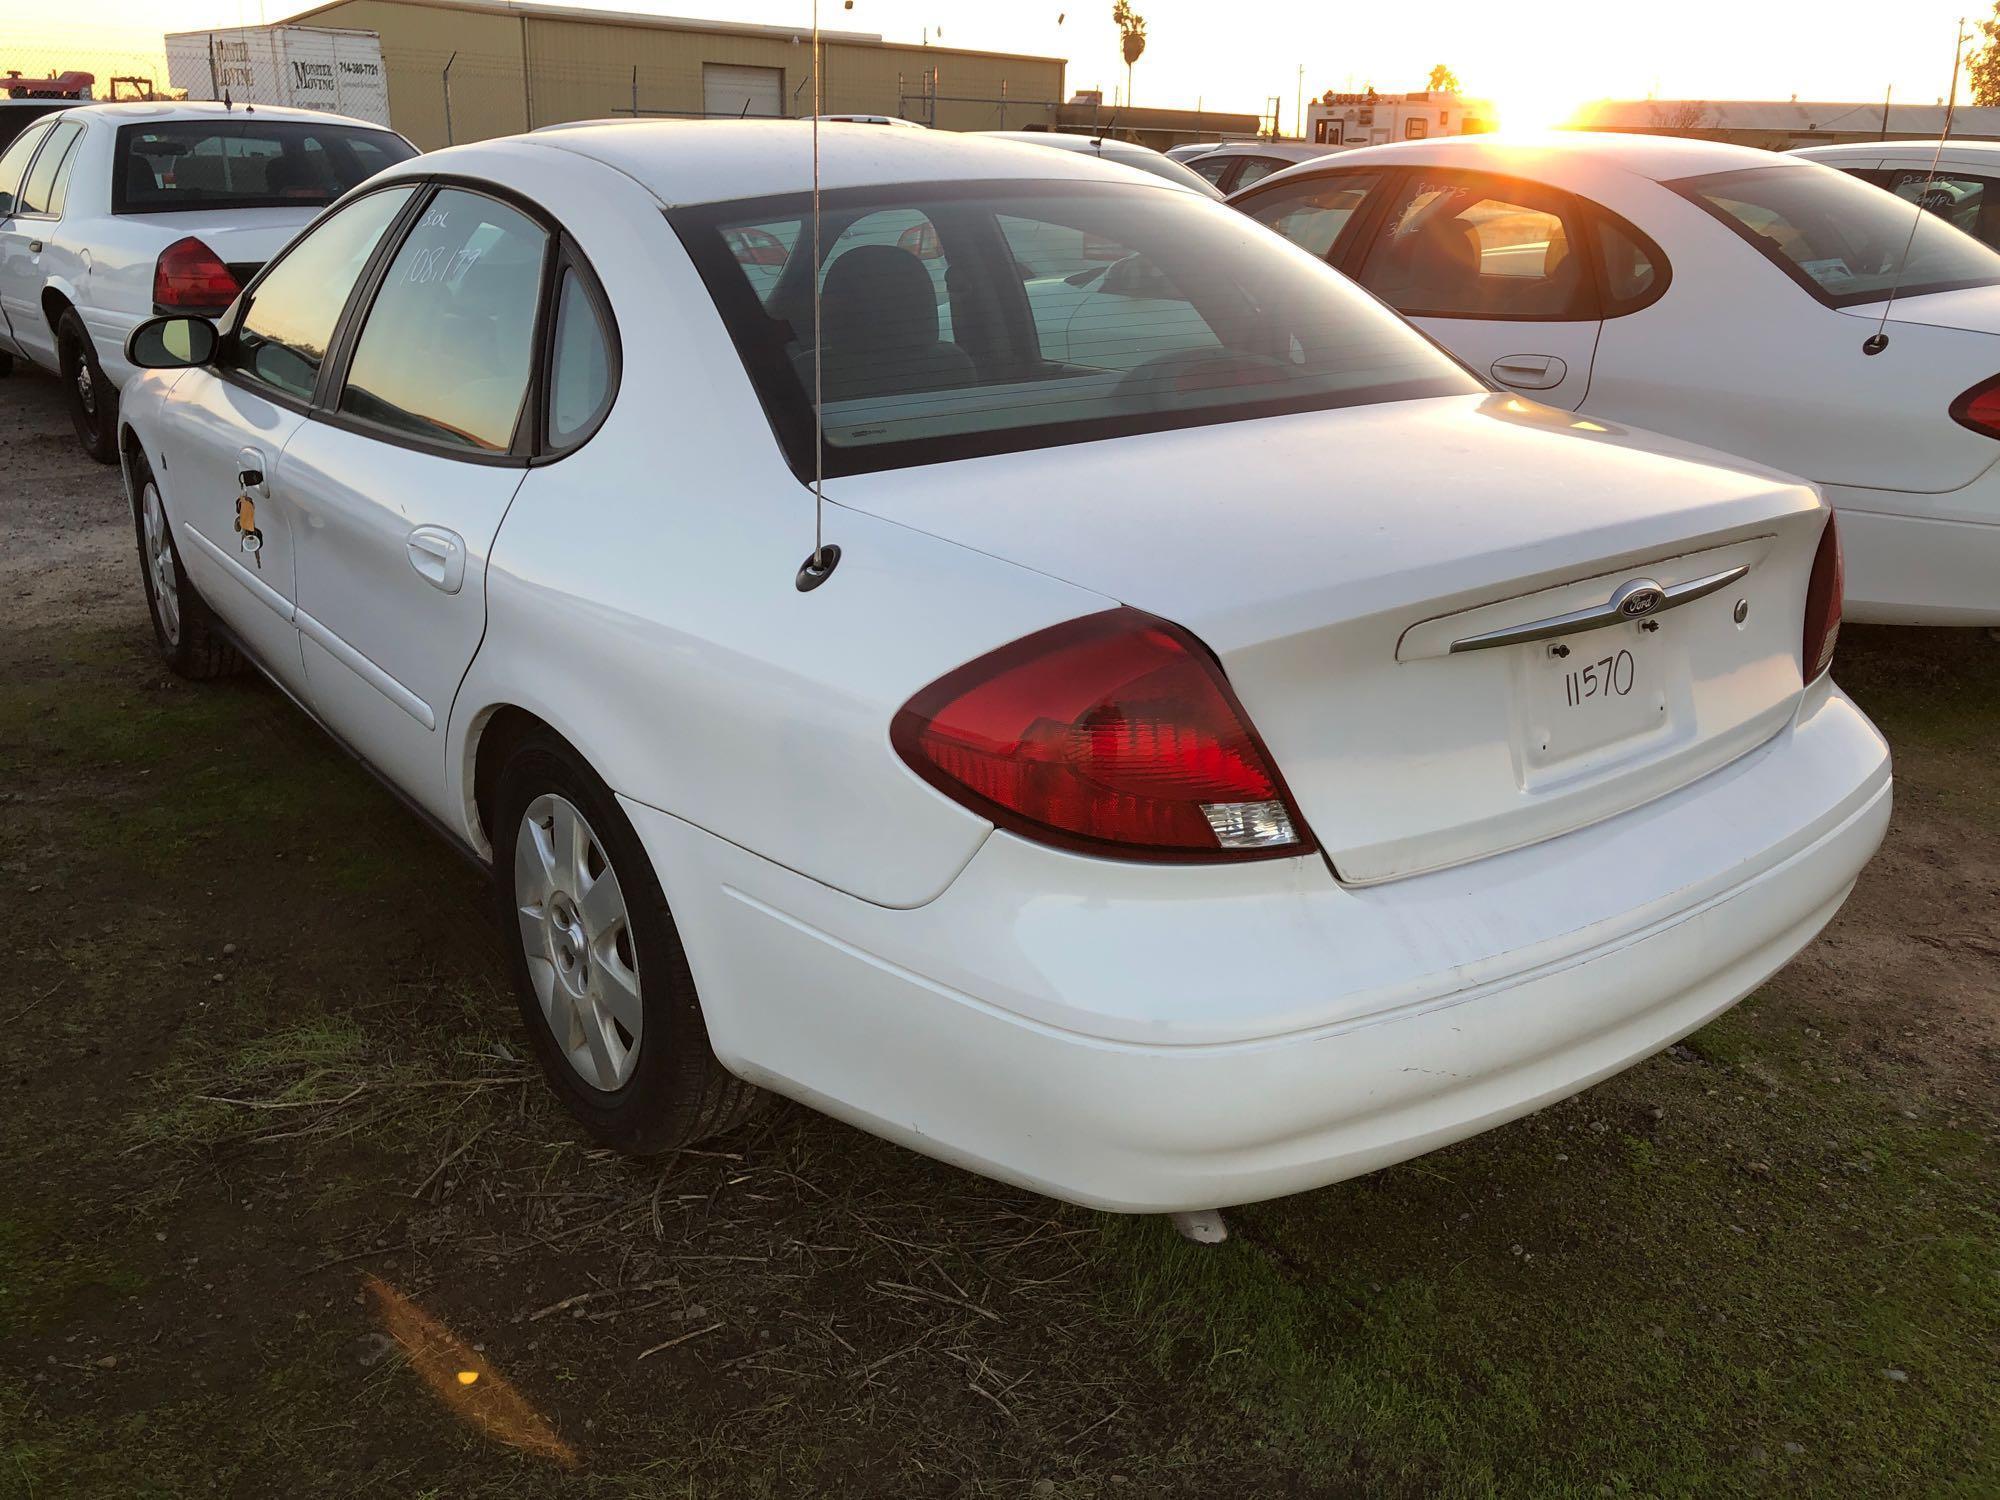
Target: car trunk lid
{"x": 240, "y": 236}
{"x": 1334, "y": 560}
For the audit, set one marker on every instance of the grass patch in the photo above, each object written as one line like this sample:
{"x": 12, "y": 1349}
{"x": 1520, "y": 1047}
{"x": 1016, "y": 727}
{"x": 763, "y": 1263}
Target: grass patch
{"x": 1772, "y": 1288}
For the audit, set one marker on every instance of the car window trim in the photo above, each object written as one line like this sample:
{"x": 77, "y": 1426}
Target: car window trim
{"x": 325, "y": 407}
{"x": 232, "y": 319}
{"x": 569, "y": 259}
{"x": 1590, "y": 302}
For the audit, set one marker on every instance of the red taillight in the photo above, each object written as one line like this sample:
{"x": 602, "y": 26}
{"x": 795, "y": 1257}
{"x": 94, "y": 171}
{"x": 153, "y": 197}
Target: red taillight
{"x": 1823, "y": 595}
{"x": 1979, "y": 408}
{"x": 190, "y": 277}
{"x": 1114, "y": 734}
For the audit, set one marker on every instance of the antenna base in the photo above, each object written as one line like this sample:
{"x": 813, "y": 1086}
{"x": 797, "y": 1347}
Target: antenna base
{"x": 1875, "y": 343}
{"x": 817, "y": 568}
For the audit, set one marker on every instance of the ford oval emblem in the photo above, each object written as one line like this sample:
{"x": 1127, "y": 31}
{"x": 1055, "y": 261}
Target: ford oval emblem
{"x": 1639, "y": 598}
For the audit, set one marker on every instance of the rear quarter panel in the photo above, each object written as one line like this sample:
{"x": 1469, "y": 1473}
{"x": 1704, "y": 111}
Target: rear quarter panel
{"x": 641, "y": 596}
{"x": 1739, "y": 357}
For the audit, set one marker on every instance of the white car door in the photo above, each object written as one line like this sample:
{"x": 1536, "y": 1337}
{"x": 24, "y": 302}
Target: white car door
{"x": 401, "y": 484}
{"x": 225, "y": 429}
{"x": 24, "y": 223}
{"x": 1496, "y": 270}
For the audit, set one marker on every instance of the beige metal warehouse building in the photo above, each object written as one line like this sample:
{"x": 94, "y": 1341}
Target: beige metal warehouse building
{"x": 514, "y": 65}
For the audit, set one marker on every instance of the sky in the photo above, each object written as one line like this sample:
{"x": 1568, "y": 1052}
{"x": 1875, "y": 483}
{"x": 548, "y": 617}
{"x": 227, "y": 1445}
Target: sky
{"x": 1536, "y": 62}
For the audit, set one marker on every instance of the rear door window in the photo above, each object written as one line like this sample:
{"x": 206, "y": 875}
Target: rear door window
{"x": 39, "y": 190}
{"x": 1467, "y": 246}
{"x": 14, "y": 164}
{"x": 445, "y": 354}
{"x": 244, "y": 162}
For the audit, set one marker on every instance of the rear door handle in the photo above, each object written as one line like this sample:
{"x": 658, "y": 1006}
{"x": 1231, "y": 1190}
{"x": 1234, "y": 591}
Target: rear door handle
{"x": 34, "y": 247}
{"x": 1529, "y": 372}
{"x": 439, "y": 557}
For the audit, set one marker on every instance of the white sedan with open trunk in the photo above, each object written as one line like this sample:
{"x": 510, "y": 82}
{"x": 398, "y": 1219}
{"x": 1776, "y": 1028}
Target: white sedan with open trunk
{"x": 1751, "y": 302}
{"x": 1208, "y": 757}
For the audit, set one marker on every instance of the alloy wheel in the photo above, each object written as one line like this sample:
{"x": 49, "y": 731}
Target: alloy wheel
{"x": 577, "y": 936}
{"x": 160, "y": 564}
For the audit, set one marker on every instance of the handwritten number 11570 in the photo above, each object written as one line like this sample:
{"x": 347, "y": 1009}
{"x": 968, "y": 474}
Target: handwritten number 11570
{"x": 1608, "y": 677}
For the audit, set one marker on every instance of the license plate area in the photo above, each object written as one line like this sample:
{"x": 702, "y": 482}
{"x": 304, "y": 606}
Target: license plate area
{"x": 1594, "y": 699}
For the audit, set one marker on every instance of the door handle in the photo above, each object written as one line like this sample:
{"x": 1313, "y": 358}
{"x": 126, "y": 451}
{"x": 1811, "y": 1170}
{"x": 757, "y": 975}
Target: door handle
{"x": 250, "y": 473}
{"x": 1529, "y": 372}
{"x": 439, "y": 557}
{"x": 34, "y": 247}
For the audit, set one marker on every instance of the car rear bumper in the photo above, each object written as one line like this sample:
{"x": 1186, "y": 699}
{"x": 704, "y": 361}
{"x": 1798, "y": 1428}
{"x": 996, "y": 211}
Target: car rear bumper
{"x": 1150, "y": 1039}
{"x": 1915, "y": 569}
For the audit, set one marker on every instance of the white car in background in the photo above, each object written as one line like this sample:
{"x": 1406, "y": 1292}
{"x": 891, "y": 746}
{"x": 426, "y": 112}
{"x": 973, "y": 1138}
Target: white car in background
{"x": 1110, "y": 148}
{"x": 1726, "y": 296}
{"x": 1957, "y": 180}
{"x": 112, "y": 213}
{"x": 1179, "y": 781}
{"x": 1238, "y": 164}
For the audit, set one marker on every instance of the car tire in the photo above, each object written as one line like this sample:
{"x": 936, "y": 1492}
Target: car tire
{"x": 592, "y": 948}
{"x": 6, "y": 364}
{"x": 93, "y": 400}
{"x": 189, "y": 637}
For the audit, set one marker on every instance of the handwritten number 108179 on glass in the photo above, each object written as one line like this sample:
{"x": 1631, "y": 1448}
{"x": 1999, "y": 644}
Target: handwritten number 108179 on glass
{"x": 1607, "y": 677}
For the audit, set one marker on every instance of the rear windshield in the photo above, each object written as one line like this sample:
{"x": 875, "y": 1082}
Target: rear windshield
{"x": 245, "y": 163}
{"x": 1842, "y": 239}
{"x": 959, "y": 319}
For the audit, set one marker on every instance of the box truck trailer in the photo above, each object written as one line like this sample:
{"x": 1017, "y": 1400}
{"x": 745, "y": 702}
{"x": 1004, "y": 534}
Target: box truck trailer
{"x": 306, "y": 67}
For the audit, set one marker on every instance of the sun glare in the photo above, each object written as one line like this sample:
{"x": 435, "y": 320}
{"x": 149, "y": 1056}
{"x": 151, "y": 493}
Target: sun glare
{"x": 1530, "y": 109}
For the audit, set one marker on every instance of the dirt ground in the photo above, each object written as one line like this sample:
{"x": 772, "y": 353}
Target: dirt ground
{"x": 283, "y": 1210}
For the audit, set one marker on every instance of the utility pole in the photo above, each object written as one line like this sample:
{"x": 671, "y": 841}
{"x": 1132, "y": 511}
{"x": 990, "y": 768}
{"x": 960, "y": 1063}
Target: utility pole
{"x": 1887, "y": 95}
{"x": 1299, "y": 106}
{"x": 1957, "y": 52}
{"x": 447, "y": 97}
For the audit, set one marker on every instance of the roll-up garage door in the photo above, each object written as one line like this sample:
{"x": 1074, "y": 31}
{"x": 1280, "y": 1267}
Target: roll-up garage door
{"x": 735, "y": 92}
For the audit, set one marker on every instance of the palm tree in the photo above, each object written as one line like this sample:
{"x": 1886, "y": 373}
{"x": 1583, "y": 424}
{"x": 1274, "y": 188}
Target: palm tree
{"x": 1132, "y": 31}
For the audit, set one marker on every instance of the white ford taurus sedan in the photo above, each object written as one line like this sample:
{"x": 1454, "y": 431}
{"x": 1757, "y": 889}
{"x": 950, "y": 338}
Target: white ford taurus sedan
{"x": 113, "y": 213}
{"x": 1195, "y": 777}
{"x": 1724, "y": 295}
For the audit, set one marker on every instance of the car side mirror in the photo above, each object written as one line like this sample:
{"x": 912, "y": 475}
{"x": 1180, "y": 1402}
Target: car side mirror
{"x": 171, "y": 343}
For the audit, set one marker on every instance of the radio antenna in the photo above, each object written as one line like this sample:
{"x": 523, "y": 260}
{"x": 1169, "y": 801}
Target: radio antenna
{"x": 1877, "y": 341}
{"x": 818, "y": 567}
